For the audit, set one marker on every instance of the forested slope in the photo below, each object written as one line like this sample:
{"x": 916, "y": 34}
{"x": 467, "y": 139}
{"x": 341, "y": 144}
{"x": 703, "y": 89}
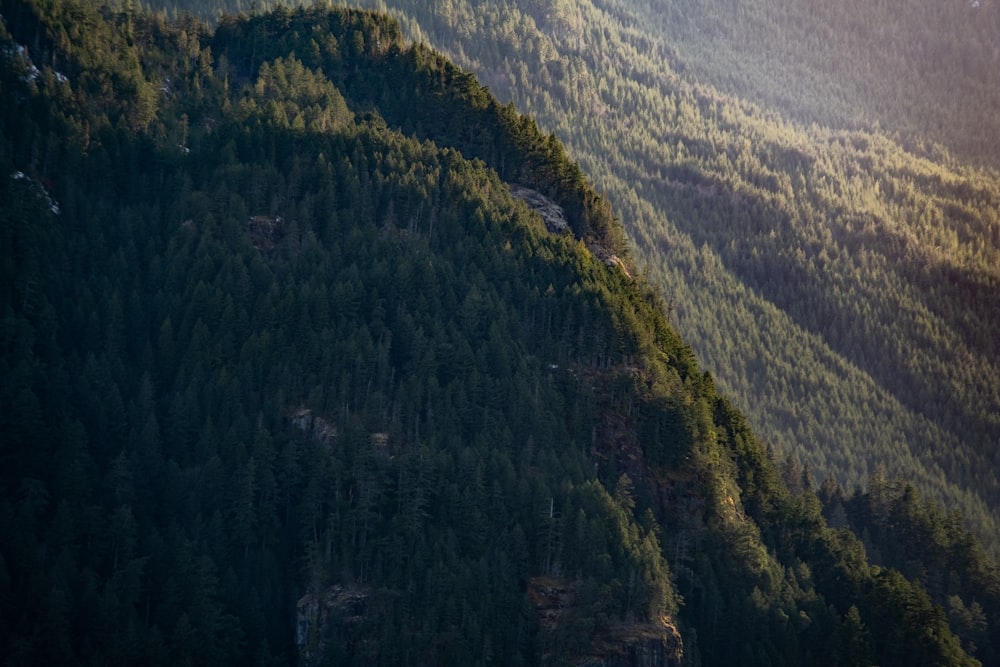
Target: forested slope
{"x": 287, "y": 381}
{"x": 842, "y": 289}
{"x": 926, "y": 73}
{"x": 841, "y": 286}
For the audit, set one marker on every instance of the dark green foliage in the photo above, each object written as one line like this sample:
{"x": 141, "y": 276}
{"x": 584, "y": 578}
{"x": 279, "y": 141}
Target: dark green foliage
{"x": 288, "y": 334}
{"x": 902, "y": 530}
{"x": 840, "y": 280}
{"x": 422, "y": 94}
{"x": 251, "y": 253}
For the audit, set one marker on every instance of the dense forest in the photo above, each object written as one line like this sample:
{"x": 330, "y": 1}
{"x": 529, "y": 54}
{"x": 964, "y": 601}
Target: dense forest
{"x": 927, "y": 73}
{"x": 839, "y": 280}
{"x": 290, "y": 377}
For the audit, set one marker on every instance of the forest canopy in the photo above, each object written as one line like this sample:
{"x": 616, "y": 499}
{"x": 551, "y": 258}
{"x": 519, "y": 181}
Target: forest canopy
{"x": 814, "y": 193}
{"x": 291, "y": 377}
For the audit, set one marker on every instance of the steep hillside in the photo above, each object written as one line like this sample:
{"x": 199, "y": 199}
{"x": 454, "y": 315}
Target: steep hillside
{"x": 287, "y": 379}
{"x": 926, "y": 72}
{"x": 841, "y": 286}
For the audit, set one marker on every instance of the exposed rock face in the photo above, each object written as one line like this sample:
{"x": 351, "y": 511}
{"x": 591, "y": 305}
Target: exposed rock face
{"x": 609, "y": 258}
{"x": 653, "y": 644}
{"x": 318, "y": 428}
{"x": 551, "y": 597}
{"x": 266, "y": 231}
{"x": 555, "y": 221}
{"x": 39, "y": 191}
{"x": 551, "y": 212}
{"x": 344, "y": 604}
{"x": 340, "y": 613}
{"x": 639, "y": 645}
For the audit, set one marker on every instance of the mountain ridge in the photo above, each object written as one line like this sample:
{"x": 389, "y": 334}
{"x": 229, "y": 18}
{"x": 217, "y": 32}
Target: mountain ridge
{"x": 257, "y": 239}
{"x": 703, "y": 179}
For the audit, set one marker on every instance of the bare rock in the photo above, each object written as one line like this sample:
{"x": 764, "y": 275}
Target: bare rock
{"x": 551, "y": 212}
